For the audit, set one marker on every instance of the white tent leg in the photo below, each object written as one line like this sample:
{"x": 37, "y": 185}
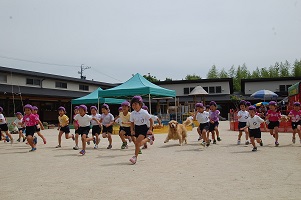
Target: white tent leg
{"x": 149, "y": 104}
{"x": 71, "y": 114}
{"x": 176, "y": 108}
{"x": 98, "y": 104}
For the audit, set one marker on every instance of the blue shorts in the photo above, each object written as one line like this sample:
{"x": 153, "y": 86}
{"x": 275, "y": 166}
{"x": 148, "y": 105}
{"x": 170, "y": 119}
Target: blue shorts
{"x": 212, "y": 126}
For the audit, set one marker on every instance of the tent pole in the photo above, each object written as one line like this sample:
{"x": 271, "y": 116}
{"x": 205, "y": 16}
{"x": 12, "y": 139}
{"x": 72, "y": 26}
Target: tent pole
{"x": 149, "y": 104}
{"x": 98, "y": 104}
{"x": 176, "y": 108}
{"x": 71, "y": 113}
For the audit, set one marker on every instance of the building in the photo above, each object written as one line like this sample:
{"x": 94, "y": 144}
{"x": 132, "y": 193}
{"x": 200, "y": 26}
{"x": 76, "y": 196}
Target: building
{"x": 47, "y": 91}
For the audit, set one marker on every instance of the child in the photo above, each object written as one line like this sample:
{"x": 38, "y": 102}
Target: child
{"x": 207, "y": 108}
{"x": 38, "y": 129}
{"x": 203, "y": 118}
{"x": 273, "y": 118}
{"x": 139, "y": 118}
{"x": 248, "y": 104}
{"x": 107, "y": 120}
{"x": 4, "y": 127}
{"x": 214, "y": 121}
{"x": 83, "y": 120}
{"x": 242, "y": 116}
{"x": 295, "y": 116}
{"x": 18, "y": 124}
{"x": 30, "y": 122}
{"x": 63, "y": 126}
{"x": 253, "y": 123}
{"x": 76, "y": 125}
{"x": 125, "y": 124}
{"x": 150, "y": 137}
{"x": 96, "y": 126}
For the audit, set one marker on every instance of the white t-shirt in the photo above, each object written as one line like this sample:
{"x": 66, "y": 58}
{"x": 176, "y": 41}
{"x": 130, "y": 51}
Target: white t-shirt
{"x": 3, "y": 119}
{"x": 118, "y": 121}
{"x": 254, "y": 122}
{"x": 17, "y": 121}
{"x": 140, "y": 118}
{"x": 83, "y": 121}
{"x": 98, "y": 117}
{"x": 202, "y": 117}
{"x": 154, "y": 118}
{"x": 107, "y": 119}
{"x": 244, "y": 116}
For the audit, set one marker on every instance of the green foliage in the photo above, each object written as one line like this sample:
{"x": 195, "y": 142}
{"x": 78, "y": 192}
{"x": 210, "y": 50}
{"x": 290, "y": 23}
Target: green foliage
{"x": 192, "y": 77}
{"x": 213, "y": 73}
{"x": 151, "y": 78}
{"x": 223, "y": 74}
{"x": 297, "y": 68}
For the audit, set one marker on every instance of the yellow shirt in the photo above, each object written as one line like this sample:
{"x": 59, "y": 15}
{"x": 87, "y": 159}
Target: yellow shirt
{"x": 125, "y": 119}
{"x": 64, "y": 120}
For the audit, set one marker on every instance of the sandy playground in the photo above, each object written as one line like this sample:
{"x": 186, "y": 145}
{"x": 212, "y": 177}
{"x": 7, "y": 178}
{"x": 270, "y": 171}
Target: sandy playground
{"x": 163, "y": 171}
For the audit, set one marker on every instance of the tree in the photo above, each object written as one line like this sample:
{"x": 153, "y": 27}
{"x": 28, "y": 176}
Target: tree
{"x": 232, "y": 72}
{"x": 297, "y": 68}
{"x": 264, "y": 73}
{"x": 213, "y": 73}
{"x": 256, "y": 73}
{"x": 223, "y": 74}
{"x": 284, "y": 69}
{"x": 192, "y": 77}
{"x": 151, "y": 78}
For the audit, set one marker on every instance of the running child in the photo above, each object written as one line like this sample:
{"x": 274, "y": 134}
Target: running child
{"x": 150, "y": 137}
{"x": 242, "y": 116}
{"x": 125, "y": 124}
{"x": 203, "y": 118}
{"x": 273, "y": 117}
{"x": 30, "y": 122}
{"x": 214, "y": 121}
{"x": 107, "y": 120}
{"x": 18, "y": 123}
{"x": 253, "y": 123}
{"x": 4, "y": 127}
{"x": 139, "y": 129}
{"x": 38, "y": 129}
{"x": 295, "y": 116}
{"x": 63, "y": 126}
{"x": 96, "y": 125}
{"x": 83, "y": 120}
{"x": 76, "y": 125}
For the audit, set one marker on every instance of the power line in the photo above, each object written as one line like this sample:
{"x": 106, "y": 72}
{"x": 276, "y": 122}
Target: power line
{"x": 106, "y": 74}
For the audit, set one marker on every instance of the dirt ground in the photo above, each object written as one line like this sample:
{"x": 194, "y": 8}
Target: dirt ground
{"x": 163, "y": 171}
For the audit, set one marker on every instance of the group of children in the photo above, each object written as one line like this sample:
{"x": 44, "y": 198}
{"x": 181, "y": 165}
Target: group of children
{"x": 250, "y": 122}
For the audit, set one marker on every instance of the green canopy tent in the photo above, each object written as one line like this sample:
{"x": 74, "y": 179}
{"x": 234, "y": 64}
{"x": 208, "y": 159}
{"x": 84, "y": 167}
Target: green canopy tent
{"x": 95, "y": 98}
{"x": 138, "y": 85}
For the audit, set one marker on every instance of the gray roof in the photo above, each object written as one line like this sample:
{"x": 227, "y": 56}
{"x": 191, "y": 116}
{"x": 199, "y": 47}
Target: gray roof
{"x": 103, "y": 85}
{"x": 37, "y": 91}
{"x": 198, "y": 90}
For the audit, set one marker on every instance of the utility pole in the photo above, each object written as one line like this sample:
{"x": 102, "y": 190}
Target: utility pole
{"x": 82, "y": 69}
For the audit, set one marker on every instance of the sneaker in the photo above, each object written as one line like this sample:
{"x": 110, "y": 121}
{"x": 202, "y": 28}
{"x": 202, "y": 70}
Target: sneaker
{"x": 96, "y": 146}
{"x": 83, "y": 152}
{"x": 214, "y": 141}
{"x": 32, "y": 149}
{"x": 203, "y": 144}
{"x": 261, "y": 143}
{"x": 254, "y": 149}
{"x": 208, "y": 144}
{"x": 133, "y": 160}
{"x": 276, "y": 144}
{"x": 123, "y": 146}
{"x": 58, "y": 146}
{"x": 247, "y": 142}
{"x": 35, "y": 140}
{"x": 7, "y": 139}
{"x": 24, "y": 139}
{"x": 294, "y": 140}
{"x": 140, "y": 152}
{"x": 153, "y": 137}
{"x": 75, "y": 148}
{"x": 18, "y": 140}
{"x": 219, "y": 139}
{"x": 238, "y": 142}
{"x": 200, "y": 137}
{"x": 94, "y": 140}
{"x": 73, "y": 137}
{"x": 109, "y": 147}
{"x": 151, "y": 142}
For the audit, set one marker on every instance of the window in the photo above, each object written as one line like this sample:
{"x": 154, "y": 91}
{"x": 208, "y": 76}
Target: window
{"x": 211, "y": 89}
{"x": 287, "y": 86}
{"x": 191, "y": 89}
{"x": 60, "y": 85}
{"x": 206, "y": 89}
{"x": 284, "y": 88}
{"x": 218, "y": 89}
{"x": 3, "y": 78}
{"x": 32, "y": 81}
{"x": 84, "y": 87}
{"x": 186, "y": 90}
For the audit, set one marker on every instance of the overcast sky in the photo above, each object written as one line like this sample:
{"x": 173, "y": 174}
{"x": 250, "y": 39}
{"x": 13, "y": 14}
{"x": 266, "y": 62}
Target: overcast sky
{"x": 167, "y": 38}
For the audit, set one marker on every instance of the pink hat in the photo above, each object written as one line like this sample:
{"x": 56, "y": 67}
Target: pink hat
{"x": 125, "y": 103}
{"x": 35, "y": 108}
{"x": 137, "y": 99}
{"x": 18, "y": 113}
{"x": 120, "y": 108}
{"x": 144, "y": 107}
{"x": 212, "y": 103}
{"x": 272, "y": 103}
{"x": 76, "y": 107}
{"x": 297, "y": 103}
{"x": 93, "y": 107}
{"x": 252, "y": 108}
{"x": 242, "y": 102}
{"x": 62, "y": 108}
{"x": 1, "y": 109}
{"x": 28, "y": 106}
{"x": 199, "y": 105}
{"x": 105, "y": 106}
{"x": 84, "y": 107}
{"x": 248, "y": 103}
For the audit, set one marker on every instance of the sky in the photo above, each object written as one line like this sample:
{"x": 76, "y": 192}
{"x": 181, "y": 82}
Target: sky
{"x": 166, "y": 38}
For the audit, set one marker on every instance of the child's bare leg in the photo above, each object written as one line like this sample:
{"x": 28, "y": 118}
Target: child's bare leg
{"x": 253, "y": 141}
{"x": 239, "y": 135}
{"x": 138, "y": 144}
{"x": 97, "y": 139}
{"x": 76, "y": 139}
{"x": 110, "y": 138}
{"x": 276, "y": 134}
{"x": 9, "y": 135}
{"x": 41, "y": 136}
{"x": 60, "y": 138}
{"x": 204, "y": 136}
{"x": 84, "y": 138}
{"x": 30, "y": 141}
{"x": 122, "y": 136}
